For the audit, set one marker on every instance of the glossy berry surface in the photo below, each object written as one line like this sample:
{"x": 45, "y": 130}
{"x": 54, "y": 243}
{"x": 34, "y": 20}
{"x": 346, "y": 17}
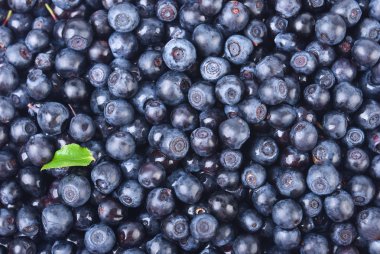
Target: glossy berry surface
{"x": 236, "y": 126}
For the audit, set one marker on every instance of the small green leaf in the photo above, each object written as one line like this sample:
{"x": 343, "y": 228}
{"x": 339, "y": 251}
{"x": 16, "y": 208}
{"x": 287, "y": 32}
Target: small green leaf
{"x": 69, "y": 156}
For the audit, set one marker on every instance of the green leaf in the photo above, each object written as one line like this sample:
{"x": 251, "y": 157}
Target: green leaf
{"x": 69, "y": 156}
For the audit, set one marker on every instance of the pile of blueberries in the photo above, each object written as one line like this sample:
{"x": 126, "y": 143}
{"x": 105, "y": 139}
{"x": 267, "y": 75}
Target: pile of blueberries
{"x": 217, "y": 127}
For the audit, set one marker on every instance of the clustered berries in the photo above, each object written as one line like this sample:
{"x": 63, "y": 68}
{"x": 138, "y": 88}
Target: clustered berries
{"x": 217, "y": 126}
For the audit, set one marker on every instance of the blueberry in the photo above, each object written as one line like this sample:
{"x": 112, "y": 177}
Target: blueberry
{"x": 362, "y": 189}
{"x": 150, "y": 31}
{"x": 28, "y": 221}
{"x": 349, "y": 10}
{"x": 120, "y": 145}
{"x": 184, "y": 117}
{"x": 39, "y": 149}
{"x": 203, "y": 227}
{"x": 288, "y": 8}
{"x": 37, "y": 40}
{"x": 324, "y": 53}
{"x": 188, "y": 188}
{"x": 303, "y": 62}
{"x": 316, "y": 96}
{"x": 293, "y": 90}
{"x": 368, "y": 116}
{"x": 210, "y": 8}
{"x": 139, "y": 129}
{"x": 360, "y": 52}
{"x": 367, "y": 223}
{"x": 9, "y": 78}
{"x": 62, "y": 246}
{"x": 38, "y": 85}
{"x": 77, "y": 34}
{"x": 99, "y": 22}
{"x": 238, "y": 49}
{"x": 234, "y": 132}
{"x": 203, "y": 141}
{"x": 172, "y": 87}
{"x": 70, "y": 63}
{"x": 191, "y": 16}
{"x": 311, "y": 204}
{"x": 269, "y": 67}
{"x": 111, "y": 212}
{"x": 335, "y": 124}
{"x": 122, "y": 84}
{"x": 287, "y": 239}
{"x": 82, "y": 128}
{"x": 256, "y": 31}
{"x": 325, "y": 77}
{"x": 223, "y": 205}
{"x": 287, "y": 214}
{"x": 233, "y": 17}
{"x": 74, "y": 190}
{"x": 22, "y": 245}
{"x": 123, "y": 17}
{"x": 22, "y": 129}
{"x": 174, "y": 144}
{"x": 244, "y": 244}
{"x": 98, "y": 74}
{"x": 179, "y": 54}
{"x": 286, "y": 41}
{"x": 176, "y": 227}
{"x": 277, "y": 24}
{"x": 225, "y": 233}
{"x": 231, "y": 159}
{"x": 327, "y": 152}
{"x": 84, "y": 217}
{"x": 214, "y": 68}
{"x": 370, "y": 28}
{"x": 323, "y": 179}
{"x": 228, "y": 179}
{"x": 273, "y": 91}
{"x": 160, "y": 202}
{"x": 106, "y": 177}
{"x": 264, "y": 151}
{"x": 334, "y": 204}
{"x": 312, "y": 242}
{"x": 207, "y": 39}
{"x": 290, "y": 183}
{"x": 166, "y": 10}
{"x": 229, "y": 90}
{"x": 250, "y": 220}
{"x": 19, "y": 55}
{"x": 130, "y": 234}
{"x": 253, "y": 176}
{"x": 32, "y": 181}
{"x": 263, "y": 199}
{"x": 75, "y": 90}
{"x": 159, "y": 244}
{"x": 7, "y": 222}
{"x": 282, "y": 116}
{"x": 57, "y": 220}
{"x": 123, "y": 45}
{"x": 155, "y": 111}
{"x": 99, "y": 239}
{"x": 374, "y": 169}
{"x": 330, "y": 29}
{"x": 118, "y": 112}
{"x": 343, "y": 234}
{"x": 357, "y": 160}
{"x": 151, "y": 175}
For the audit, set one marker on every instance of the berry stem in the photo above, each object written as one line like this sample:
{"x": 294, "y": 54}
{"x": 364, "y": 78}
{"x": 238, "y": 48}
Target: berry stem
{"x": 72, "y": 109}
{"x": 50, "y": 10}
{"x": 9, "y": 14}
